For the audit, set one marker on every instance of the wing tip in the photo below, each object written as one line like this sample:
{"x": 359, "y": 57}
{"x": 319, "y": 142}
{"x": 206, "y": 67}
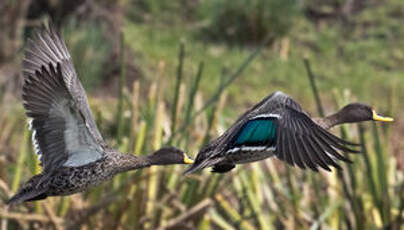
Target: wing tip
{"x": 200, "y": 164}
{"x": 190, "y": 170}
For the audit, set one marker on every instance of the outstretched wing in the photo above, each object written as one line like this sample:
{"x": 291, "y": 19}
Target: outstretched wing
{"x": 278, "y": 123}
{"x": 300, "y": 141}
{"x": 257, "y": 128}
{"x": 64, "y": 131}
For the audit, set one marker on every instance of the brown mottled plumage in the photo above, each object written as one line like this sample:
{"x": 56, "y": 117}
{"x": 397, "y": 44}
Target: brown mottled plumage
{"x": 72, "y": 152}
{"x": 70, "y": 180}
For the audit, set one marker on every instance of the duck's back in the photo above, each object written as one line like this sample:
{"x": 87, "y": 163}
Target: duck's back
{"x": 70, "y": 180}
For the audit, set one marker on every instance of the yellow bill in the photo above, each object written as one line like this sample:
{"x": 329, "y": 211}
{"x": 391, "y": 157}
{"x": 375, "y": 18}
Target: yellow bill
{"x": 187, "y": 160}
{"x": 377, "y": 117}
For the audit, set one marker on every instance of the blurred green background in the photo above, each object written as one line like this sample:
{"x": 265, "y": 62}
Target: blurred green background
{"x": 181, "y": 72}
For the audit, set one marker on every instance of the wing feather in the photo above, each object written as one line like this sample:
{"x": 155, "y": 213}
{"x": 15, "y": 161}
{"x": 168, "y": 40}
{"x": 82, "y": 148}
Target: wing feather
{"x": 307, "y": 155}
{"x": 317, "y": 158}
{"x": 288, "y": 155}
{"x": 315, "y": 147}
{"x": 292, "y": 151}
{"x": 62, "y": 123}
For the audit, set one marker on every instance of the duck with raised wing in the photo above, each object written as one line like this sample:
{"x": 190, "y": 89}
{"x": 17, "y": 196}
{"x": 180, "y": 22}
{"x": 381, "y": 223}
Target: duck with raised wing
{"x": 72, "y": 152}
{"x": 277, "y": 126}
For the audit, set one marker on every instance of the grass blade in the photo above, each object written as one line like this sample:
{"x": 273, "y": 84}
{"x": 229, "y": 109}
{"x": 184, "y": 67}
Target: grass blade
{"x": 20, "y": 162}
{"x": 314, "y": 87}
{"x": 122, "y": 81}
{"x": 178, "y": 81}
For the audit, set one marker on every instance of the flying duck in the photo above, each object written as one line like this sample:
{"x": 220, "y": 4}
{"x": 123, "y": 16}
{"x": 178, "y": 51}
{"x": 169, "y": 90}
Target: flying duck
{"x": 277, "y": 126}
{"x": 73, "y": 154}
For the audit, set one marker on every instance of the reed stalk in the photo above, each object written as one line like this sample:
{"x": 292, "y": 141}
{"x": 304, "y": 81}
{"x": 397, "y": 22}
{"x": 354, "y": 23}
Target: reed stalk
{"x": 320, "y": 110}
{"x": 122, "y": 81}
{"x": 351, "y": 190}
{"x": 313, "y": 85}
{"x": 232, "y": 213}
{"x": 140, "y": 138}
{"x": 153, "y": 180}
{"x": 205, "y": 223}
{"x": 178, "y": 81}
{"x": 254, "y": 201}
{"x": 369, "y": 168}
{"x": 20, "y": 162}
{"x": 236, "y": 74}
{"x": 135, "y": 110}
{"x": 220, "y": 221}
{"x": 191, "y": 97}
{"x": 381, "y": 176}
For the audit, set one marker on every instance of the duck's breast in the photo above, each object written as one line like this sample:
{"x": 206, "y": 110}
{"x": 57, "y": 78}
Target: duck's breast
{"x": 248, "y": 156}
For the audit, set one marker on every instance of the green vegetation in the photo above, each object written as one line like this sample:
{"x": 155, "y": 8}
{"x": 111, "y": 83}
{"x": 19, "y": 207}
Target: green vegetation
{"x": 89, "y": 51}
{"x": 364, "y": 63}
{"x": 246, "y": 21}
{"x": 189, "y": 103}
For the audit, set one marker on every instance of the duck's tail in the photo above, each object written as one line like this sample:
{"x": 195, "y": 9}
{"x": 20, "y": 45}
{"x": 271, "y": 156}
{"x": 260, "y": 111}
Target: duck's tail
{"x": 29, "y": 192}
{"x": 194, "y": 167}
{"x": 201, "y": 164}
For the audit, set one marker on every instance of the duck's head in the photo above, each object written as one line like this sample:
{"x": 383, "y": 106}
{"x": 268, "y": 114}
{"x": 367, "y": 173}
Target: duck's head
{"x": 357, "y": 112}
{"x": 170, "y": 155}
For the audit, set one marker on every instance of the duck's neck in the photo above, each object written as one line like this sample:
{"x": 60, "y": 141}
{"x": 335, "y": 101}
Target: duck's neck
{"x": 127, "y": 162}
{"x": 330, "y": 121}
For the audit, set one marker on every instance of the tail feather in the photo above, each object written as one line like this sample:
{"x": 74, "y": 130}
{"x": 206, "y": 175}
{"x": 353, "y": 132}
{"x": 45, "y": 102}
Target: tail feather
{"x": 202, "y": 164}
{"x": 192, "y": 168}
{"x": 29, "y": 192}
{"x": 26, "y": 196}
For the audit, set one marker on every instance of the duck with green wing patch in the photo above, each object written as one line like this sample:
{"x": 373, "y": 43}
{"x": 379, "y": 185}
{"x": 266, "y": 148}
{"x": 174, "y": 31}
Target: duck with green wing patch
{"x": 277, "y": 126}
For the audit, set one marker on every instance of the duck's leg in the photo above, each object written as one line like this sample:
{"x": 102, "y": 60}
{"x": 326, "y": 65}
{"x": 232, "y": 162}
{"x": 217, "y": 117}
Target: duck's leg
{"x": 223, "y": 168}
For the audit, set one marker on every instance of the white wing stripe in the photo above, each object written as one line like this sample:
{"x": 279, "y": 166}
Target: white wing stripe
{"x": 29, "y": 120}
{"x": 267, "y": 116}
{"x": 37, "y": 149}
{"x": 251, "y": 149}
